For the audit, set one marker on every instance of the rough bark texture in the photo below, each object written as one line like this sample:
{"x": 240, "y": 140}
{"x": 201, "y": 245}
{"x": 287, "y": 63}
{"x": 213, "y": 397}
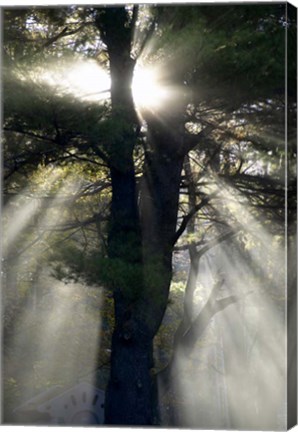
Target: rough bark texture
{"x": 129, "y": 395}
{"x": 141, "y": 240}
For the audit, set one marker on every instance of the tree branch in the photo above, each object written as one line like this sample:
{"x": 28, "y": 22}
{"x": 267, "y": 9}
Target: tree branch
{"x": 214, "y": 242}
{"x": 192, "y": 141}
{"x": 198, "y": 326}
{"x": 53, "y": 39}
{"x": 29, "y": 134}
{"x": 186, "y": 340}
{"x": 188, "y": 217}
{"x": 70, "y": 226}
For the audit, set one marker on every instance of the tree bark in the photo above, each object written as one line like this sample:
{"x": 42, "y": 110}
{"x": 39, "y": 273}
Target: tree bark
{"x": 142, "y": 242}
{"x": 129, "y": 395}
{"x": 141, "y": 232}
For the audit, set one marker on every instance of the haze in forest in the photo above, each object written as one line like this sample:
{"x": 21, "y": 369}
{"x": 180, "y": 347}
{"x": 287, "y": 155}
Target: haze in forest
{"x": 149, "y": 215}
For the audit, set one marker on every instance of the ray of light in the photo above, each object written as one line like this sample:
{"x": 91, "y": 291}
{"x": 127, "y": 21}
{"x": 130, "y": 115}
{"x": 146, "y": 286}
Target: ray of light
{"x": 51, "y": 335}
{"x": 20, "y": 212}
{"x": 66, "y": 344}
{"x": 86, "y": 80}
{"x": 235, "y": 376}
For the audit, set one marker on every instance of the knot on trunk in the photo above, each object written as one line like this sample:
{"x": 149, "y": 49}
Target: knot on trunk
{"x": 128, "y": 331}
{"x": 127, "y": 336}
{"x": 139, "y": 384}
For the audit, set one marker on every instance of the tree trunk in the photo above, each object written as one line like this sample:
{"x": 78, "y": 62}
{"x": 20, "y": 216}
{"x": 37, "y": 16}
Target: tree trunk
{"x": 129, "y": 397}
{"x": 139, "y": 244}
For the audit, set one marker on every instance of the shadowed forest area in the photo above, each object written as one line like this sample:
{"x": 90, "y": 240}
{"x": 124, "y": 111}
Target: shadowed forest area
{"x": 149, "y": 215}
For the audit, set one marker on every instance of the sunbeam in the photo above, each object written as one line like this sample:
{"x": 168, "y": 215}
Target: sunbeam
{"x": 225, "y": 372}
{"x": 89, "y": 82}
{"x": 50, "y": 326}
{"x": 149, "y": 216}
{"x": 20, "y": 211}
{"x": 85, "y": 80}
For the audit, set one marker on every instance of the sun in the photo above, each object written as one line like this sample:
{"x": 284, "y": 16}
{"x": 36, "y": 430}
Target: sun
{"x": 148, "y": 92}
{"x": 87, "y": 81}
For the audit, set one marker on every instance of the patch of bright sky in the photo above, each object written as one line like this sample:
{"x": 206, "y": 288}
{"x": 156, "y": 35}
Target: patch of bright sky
{"x": 85, "y": 79}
